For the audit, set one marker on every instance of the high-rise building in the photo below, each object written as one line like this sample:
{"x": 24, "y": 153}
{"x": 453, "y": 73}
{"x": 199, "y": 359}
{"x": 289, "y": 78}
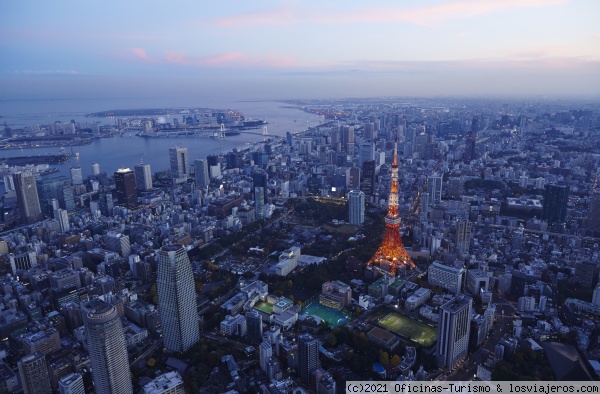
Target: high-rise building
{"x": 177, "y": 298}
{"x": 254, "y": 325}
{"x": 259, "y": 203}
{"x": 596, "y": 295}
{"x": 454, "y": 326}
{"x": 308, "y": 351}
{"x": 434, "y": 189}
{"x": 353, "y": 178}
{"x": 58, "y": 188}
{"x": 368, "y": 177}
{"x": 76, "y": 176}
{"x": 463, "y": 236}
{"x": 143, "y": 176}
{"x": 356, "y": 207}
{"x": 260, "y": 179}
{"x": 369, "y": 132}
{"x": 470, "y": 142}
{"x": 586, "y": 273}
{"x": 391, "y": 253}
{"x": 348, "y": 139}
{"x": 179, "y": 164}
{"x": 366, "y": 153}
{"x": 27, "y": 197}
{"x": 63, "y": 219}
{"x": 201, "y": 173}
{"x": 95, "y": 169}
{"x": 34, "y": 374}
{"x": 107, "y": 348}
{"x": 71, "y": 384}
{"x": 555, "y": 203}
{"x": 125, "y": 187}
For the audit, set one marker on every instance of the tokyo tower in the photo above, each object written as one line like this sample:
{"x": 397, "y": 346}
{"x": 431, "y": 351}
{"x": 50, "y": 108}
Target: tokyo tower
{"x": 391, "y": 253}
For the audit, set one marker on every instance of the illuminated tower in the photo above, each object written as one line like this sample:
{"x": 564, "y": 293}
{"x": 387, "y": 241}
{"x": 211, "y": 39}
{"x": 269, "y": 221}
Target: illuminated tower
{"x": 391, "y": 252}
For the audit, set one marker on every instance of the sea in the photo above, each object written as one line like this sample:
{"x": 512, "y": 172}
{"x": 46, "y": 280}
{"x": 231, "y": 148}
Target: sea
{"x": 128, "y": 150}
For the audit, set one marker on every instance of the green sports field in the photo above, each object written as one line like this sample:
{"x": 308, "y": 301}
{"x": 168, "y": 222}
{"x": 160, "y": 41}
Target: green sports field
{"x": 264, "y": 306}
{"x": 408, "y": 328}
{"x": 333, "y": 317}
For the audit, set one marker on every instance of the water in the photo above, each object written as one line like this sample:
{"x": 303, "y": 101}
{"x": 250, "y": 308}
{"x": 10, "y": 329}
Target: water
{"x": 126, "y": 150}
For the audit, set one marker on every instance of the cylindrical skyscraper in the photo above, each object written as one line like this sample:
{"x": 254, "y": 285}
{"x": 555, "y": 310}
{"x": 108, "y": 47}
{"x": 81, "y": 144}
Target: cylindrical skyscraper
{"x": 177, "y": 299}
{"x": 107, "y": 347}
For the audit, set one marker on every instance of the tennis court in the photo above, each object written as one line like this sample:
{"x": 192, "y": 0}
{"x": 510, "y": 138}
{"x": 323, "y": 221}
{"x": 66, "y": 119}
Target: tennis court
{"x": 331, "y": 316}
{"x": 408, "y": 328}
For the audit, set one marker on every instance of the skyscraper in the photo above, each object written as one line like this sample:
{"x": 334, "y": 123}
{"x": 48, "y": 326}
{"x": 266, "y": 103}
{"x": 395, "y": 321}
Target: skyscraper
{"x": 177, "y": 298}
{"x": 366, "y": 153}
{"x": 463, "y": 236}
{"x": 555, "y": 203}
{"x": 254, "y": 325}
{"x": 201, "y": 173}
{"x": 179, "y": 164}
{"x": 260, "y": 179}
{"x": 125, "y": 187}
{"x": 259, "y": 203}
{"x": 454, "y": 326}
{"x": 95, "y": 169}
{"x": 356, "y": 207}
{"x": 308, "y": 351}
{"x": 27, "y": 197}
{"x": 143, "y": 176}
{"x": 391, "y": 253}
{"x": 63, "y": 219}
{"x": 434, "y": 189}
{"x": 34, "y": 374}
{"x": 470, "y": 142}
{"x": 107, "y": 348}
{"x": 55, "y": 187}
{"x": 76, "y": 176}
{"x": 368, "y": 178}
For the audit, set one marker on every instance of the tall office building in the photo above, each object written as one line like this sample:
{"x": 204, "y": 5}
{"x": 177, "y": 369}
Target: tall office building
{"x": 201, "y": 173}
{"x": 356, "y": 206}
{"x": 71, "y": 384}
{"x": 463, "y": 236}
{"x": 369, "y": 132}
{"x": 555, "y": 203}
{"x": 76, "y": 176}
{"x": 118, "y": 243}
{"x": 107, "y": 348}
{"x": 56, "y": 187}
{"x": 259, "y": 203}
{"x": 27, "y": 197}
{"x": 454, "y": 326}
{"x": 366, "y": 153}
{"x": 34, "y": 374}
{"x": 348, "y": 139}
{"x": 260, "y": 179}
{"x": 178, "y": 158}
{"x": 308, "y": 352}
{"x": 125, "y": 187}
{"x": 177, "y": 298}
{"x": 434, "y": 189}
{"x": 63, "y": 219}
{"x": 368, "y": 178}
{"x": 353, "y": 180}
{"x": 95, "y": 169}
{"x": 143, "y": 176}
{"x": 470, "y": 142}
{"x": 254, "y": 325}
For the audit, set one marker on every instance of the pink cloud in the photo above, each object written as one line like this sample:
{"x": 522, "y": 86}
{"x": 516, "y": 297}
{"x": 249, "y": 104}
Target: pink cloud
{"x": 424, "y": 16}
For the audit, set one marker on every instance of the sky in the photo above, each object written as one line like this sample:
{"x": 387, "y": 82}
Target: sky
{"x": 267, "y": 49}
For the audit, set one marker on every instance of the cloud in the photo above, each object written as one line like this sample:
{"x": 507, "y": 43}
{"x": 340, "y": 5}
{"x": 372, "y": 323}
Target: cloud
{"x": 226, "y": 59}
{"x": 422, "y": 16}
{"x": 47, "y": 72}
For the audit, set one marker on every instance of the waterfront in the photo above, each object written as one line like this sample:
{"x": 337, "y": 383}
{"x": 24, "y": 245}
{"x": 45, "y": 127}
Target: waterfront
{"x": 127, "y": 150}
